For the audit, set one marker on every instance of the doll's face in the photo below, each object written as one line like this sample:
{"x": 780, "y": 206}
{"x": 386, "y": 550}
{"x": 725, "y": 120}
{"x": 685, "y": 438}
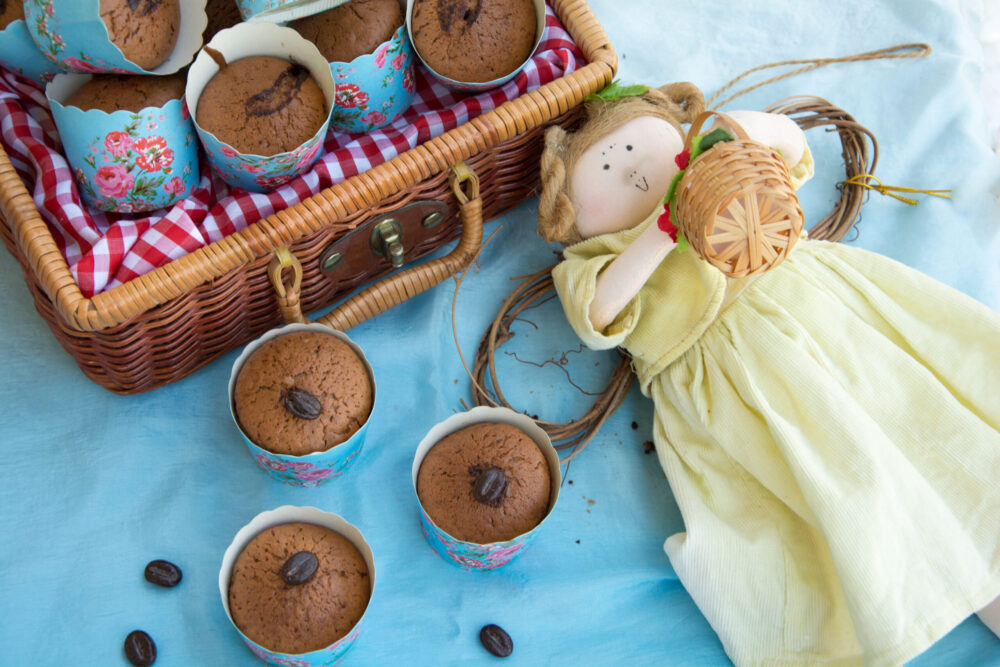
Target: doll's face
{"x": 623, "y": 176}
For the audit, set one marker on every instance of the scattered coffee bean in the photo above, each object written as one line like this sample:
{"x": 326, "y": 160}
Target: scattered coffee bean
{"x": 140, "y": 649}
{"x": 490, "y": 486}
{"x": 496, "y": 640}
{"x": 299, "y": 568}
{"x": 648, "y": 446}
{"x": 635, "y": 426}
{"x": 302, "y": 404}
{"x": 163, "y": 573}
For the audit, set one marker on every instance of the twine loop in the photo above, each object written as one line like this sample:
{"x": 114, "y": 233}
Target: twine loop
{"x": 864, "y": 181}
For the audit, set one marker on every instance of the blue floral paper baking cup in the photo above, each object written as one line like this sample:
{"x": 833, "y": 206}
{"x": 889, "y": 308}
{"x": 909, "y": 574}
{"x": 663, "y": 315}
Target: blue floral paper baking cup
{"x": 375, "y": 88}
{"x": 277, "y": 11}
{"x": 479, "y": 86}
{"x": 335, "y": 652}
{"x": 71, "y": 34}
{"x": 308, "y": 469}
{"x": 472, "y": 555}
{"x": 126, "y": 162}
{"x": 19, "y": 54}
{"x": 259, "y": 173}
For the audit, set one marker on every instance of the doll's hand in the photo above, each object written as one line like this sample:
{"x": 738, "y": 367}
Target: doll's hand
{"x": 775, "y": 130}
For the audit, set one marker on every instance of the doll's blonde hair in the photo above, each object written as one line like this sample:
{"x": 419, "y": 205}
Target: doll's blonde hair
{"x": 676, "y": 103}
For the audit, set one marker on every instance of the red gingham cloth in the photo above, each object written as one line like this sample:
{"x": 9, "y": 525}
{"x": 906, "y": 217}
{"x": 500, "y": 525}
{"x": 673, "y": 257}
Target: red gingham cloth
{"x": 104, "y": 250}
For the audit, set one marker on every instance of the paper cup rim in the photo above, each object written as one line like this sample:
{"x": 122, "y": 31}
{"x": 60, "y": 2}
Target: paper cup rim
{"x": 479, "y": 86}
{"x": 249, "y": 348}
{"x": 8, "y": 26}
{"x": 371, "y": 54}
{"x": 62, "y": 86}
{"x": 312, "y": 59}
{"x": 293, "y": 514}
{"x": 290, "y": 11}
{"x": 491, "y": 415}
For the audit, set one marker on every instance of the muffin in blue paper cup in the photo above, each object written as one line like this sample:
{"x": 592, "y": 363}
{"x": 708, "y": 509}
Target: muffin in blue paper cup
{"x": 369, "y": 51}
{"x": 261, "y": 97}
{"x": 302, "y": 396}
{"x": 128, "y": 139}
{"x": 18, "y": 52}
{"x": 485, "y": 481}
{"x": 473, "y": 47}
{"x": 121, "y": 36}
{"x": 295, "y": 583}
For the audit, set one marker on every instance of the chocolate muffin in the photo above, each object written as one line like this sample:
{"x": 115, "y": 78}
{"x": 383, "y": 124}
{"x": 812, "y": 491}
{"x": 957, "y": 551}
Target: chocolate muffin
{"x": 485, "y": 483}
{"x": 345, "y": 32}
{"x": 302, "y": 392}
{"x": 272, "y": 609}
{"x": 10, "y": 11}
{"x": 221, "y": 14}
{"x": 144, "y": 30}
{"x": 262, "y": 105}
{"x": 117, "y": 92}
{"x": 473, "y": 40}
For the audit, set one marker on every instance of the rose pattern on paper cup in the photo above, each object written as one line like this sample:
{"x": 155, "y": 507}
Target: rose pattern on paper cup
{"x": 126, "y": 162}
{"x": 71, "y": 34}
{"x": 331, "y": 655}
{"x": 318, "y": 467}
{"x": 335, "y": 652}
{"x": 469, "y": 555}
{"x": 19, "y": 54}
{"x": 260, "y": 173}
{"x": 374, "y": 88}
{"x": 311, "y": 469}
{"x": 472, "y": 555}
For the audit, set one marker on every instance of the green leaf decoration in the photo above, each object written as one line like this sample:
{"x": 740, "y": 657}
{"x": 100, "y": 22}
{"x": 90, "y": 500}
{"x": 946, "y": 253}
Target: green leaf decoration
{"x": 717, "y": 135}
{"x": 616, "y": 90}
{"x": 667, "y": 198}
{"x": 682, "y": 242}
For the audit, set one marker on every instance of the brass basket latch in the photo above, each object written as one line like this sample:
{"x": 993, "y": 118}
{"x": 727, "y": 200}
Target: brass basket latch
{"x": 387, "y": 240}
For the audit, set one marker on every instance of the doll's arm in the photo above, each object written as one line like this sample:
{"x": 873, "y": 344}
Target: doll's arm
{"x": 621, "y": 280}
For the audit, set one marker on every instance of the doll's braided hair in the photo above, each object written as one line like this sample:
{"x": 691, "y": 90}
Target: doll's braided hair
{"x": 675, "y": 102}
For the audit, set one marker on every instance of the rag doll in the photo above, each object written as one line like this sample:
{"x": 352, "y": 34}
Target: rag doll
{"x": 830, "y": 428}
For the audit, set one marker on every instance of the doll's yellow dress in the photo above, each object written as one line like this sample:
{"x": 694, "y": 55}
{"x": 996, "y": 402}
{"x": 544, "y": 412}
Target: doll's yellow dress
{"x": 831, "y": 433}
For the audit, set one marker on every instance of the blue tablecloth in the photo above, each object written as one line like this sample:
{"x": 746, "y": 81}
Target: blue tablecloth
{"x": 95, "y": 485}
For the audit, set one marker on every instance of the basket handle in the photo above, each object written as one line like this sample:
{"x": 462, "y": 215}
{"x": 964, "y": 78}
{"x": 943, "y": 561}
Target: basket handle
{"x": 398, "y": 287}
{"x": 725, "y": 118}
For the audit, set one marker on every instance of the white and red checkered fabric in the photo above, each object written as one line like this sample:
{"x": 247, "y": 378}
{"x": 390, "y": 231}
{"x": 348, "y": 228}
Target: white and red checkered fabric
{"x": 107, "y": 249}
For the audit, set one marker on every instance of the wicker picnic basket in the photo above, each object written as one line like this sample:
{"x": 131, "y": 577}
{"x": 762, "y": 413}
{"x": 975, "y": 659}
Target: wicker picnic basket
{"x": 163, "y": 325}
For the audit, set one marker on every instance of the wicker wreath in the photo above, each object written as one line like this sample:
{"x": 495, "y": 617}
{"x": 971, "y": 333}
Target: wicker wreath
{"x": 736, "y": 204}
{"x": 860, "y": 153}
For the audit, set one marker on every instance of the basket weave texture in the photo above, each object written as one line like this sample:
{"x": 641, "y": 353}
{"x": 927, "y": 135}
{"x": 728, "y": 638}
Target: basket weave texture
{"x": 736, "y": 203}
{"x": 162, "y": 326}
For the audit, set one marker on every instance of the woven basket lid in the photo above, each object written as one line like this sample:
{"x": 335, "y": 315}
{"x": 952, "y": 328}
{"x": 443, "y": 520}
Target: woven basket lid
{"x": 736, "y": 204}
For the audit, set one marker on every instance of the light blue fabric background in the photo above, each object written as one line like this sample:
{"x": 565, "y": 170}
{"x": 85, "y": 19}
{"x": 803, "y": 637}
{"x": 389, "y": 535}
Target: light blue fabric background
{"x": 95, "y": 485}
